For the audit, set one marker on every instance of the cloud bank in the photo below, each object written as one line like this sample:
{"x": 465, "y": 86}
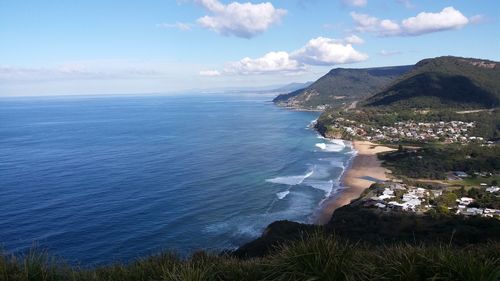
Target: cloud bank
{"x": 270, "y": 62}
{"x": 210, "y": 73}
{"x": 86, "y": 70}
{"x": 318, "y": 51}
{"x": 244, "y": 20}
{"x": 447, "y": 19}
{"x": 326, "y": 51}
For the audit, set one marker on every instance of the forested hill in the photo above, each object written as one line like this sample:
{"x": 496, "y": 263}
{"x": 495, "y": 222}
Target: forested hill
{"x": 342, "y": 86}
{"x": 444, "y": 82}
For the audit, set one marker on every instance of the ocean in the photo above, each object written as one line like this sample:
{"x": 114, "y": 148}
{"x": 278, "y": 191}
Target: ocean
{"x": 95, "y": 180}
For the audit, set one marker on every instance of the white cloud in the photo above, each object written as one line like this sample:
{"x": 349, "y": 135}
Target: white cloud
{"x": 389, "y": 27}
{"x": 240, "y": 19}
{"x": 365, "y": 23}
{"x": 178, "y": 25}
{"x": 318, "y": 51}
{"x": 326, "y": 51}
{"x": 477, "y": 19}
{"x": 210, "y": 73}
{"x": 354, "y": 39}
{"x": 447, "y": 19}
{"x": 270, "y": 62}
{"x": 407, "y": 3}
{"x": 355, "y": 3}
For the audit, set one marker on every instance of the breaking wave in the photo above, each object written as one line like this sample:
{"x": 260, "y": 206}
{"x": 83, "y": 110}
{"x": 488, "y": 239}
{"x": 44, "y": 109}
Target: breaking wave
{"x": 323, "y": 185}
{"x": 291, "y": 180}
{"x": 333, "y": 145}
{"x": 282, "y": 194}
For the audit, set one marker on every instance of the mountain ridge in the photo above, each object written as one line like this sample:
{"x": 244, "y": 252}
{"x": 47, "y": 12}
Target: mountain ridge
{"x": 443, "y": 81}
{"x": 341, "y": 86}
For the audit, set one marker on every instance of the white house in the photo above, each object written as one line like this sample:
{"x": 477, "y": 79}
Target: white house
{"x": 493, "y": 189}
{"x": 465, "y": 201}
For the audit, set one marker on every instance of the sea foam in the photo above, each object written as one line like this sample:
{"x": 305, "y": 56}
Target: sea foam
{"x": 283, "y": 194}
{"x": 291, "y": 180}
{"x": 330, "y": 147}
{"x": 323, "y": 185}
{"x": 334, "y": 162}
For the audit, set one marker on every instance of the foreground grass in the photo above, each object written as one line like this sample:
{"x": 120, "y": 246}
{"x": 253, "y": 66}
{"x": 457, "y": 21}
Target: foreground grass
{"x": 318, "y": 257}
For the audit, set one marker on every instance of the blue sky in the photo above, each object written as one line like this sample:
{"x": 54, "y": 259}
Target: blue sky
{"x": 159, "y": 46}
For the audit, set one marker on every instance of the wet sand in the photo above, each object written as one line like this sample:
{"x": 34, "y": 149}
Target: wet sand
{"x": 365, "y": 170}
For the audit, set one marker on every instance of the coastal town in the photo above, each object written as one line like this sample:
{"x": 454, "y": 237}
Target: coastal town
{"x": 393, "y": 196}
{"x": 446, "y": 132}
{"x": 375, "y": 186}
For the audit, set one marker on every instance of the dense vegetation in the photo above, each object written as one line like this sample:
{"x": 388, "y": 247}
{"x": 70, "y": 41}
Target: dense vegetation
{"x": 342, "y": 85}
{"x": 483, "y": 199}
{"x": 314, "y": 257}
{"x": 444, "y": 81}
{"x": 434, "y": 161}
{"x": 357, "y": 224}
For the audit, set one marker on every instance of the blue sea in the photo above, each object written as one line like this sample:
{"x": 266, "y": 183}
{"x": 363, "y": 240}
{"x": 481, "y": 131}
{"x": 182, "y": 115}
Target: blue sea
{"x": 95, "y": 180}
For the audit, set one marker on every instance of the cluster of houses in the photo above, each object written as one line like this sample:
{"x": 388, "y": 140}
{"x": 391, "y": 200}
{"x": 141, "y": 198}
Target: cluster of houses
{"x": 464, "y": 209}
{"x": 448, "y": 132}
{"x": 394, "y": 196}
{"x": 401, "y": 197}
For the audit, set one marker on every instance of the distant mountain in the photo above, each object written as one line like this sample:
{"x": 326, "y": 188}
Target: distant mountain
{"x": 342, "y": 85}
{"x": 444, "y": 81}
{"x": 292, "y": 87}
{"x": 270, "y": 89}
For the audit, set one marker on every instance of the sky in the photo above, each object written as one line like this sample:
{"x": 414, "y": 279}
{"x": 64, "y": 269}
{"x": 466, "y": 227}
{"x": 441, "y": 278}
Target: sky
{"x": 77, "y": 47}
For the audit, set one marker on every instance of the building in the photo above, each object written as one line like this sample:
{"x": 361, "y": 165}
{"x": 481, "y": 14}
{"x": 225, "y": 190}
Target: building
{"x": 460, "y": 174}
{"x": 465, "y": 201}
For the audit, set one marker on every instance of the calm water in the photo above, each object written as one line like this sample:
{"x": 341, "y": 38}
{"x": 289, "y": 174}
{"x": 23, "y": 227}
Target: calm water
{"x": 100, "y": 179}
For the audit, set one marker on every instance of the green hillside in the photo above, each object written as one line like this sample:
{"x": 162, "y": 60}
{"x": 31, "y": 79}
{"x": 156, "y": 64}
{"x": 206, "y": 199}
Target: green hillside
{"x": 444, "y": 82}
{"x": 342, "y": 86}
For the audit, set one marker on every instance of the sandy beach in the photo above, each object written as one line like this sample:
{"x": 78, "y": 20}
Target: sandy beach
{"x": 364, "y": 171}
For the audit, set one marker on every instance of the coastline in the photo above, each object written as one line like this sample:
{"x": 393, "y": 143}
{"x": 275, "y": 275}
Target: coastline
{"x": 364, "y": 170}
{"x": 298, "y": 108}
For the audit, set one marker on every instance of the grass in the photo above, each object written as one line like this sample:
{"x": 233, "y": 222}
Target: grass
{"x": 476, "y": 181}
{"x": 316, "y": 257}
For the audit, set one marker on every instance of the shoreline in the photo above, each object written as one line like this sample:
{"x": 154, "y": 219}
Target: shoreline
{"x": 298, "y": 108}
{"x": 364, "y": 170}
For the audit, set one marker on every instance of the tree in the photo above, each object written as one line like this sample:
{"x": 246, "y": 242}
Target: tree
{"x": 461, "y": 192}
{"x": 448, "y": 199}
{"x": 473, "y": 192}
{"x": 443, "y": 210}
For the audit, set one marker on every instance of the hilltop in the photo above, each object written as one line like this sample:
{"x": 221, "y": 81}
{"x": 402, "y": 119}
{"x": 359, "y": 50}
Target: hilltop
{"x": 342, "y": 86}
{"x": 422, "y": 104}
{"x": 444, "y": 82}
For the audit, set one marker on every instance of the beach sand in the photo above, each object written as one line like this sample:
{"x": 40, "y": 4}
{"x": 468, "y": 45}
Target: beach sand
{"x": 364, "y": 171}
